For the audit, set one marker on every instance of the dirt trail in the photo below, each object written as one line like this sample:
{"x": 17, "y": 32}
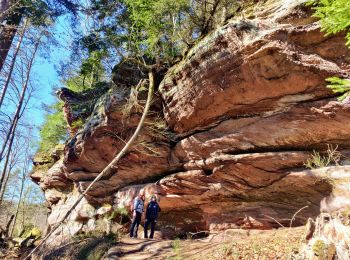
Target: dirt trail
{"x": 231, "y": 244}
{"x": 137, "y": 249}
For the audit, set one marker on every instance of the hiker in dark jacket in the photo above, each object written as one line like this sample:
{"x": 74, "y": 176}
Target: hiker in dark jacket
{"x": 137, "y": 211}
{"x": 152, "y": 212}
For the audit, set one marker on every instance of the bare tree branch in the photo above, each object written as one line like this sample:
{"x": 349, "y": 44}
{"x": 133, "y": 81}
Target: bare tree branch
{"x": 109, "y": 166}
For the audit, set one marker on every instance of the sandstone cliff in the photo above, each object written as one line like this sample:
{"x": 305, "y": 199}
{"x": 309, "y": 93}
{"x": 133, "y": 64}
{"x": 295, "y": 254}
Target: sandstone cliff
{"x": 231, "y": 127}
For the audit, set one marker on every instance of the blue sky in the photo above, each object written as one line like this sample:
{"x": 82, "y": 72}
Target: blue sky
{"x": 45, "y": 72}
{"x": 45, "y": 79}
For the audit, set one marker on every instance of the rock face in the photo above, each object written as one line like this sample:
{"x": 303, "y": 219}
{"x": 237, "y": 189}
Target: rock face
{"x": 328, "y": 237}
{"x": 257, "y": 72}
{"x": 245, "y": 110}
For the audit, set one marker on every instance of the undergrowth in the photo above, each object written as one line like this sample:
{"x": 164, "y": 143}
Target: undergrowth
{"x": 283, "y": 244}
{"x": 176, "y": 249}
{"x": 96, "y": 247}
{"x": 320, "y": 160}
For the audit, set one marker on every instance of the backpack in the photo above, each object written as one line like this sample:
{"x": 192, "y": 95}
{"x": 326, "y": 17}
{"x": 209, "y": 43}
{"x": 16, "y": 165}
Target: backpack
{"x": 153, "y": 210}
{"x": 138, "y": 202}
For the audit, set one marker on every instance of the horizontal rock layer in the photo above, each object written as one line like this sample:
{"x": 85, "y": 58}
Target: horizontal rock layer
{"x": 223, "y": 200}
{"x": 265, "y": 70}
{"x": 245, "y": 108}
{"x": 306, "y": 126}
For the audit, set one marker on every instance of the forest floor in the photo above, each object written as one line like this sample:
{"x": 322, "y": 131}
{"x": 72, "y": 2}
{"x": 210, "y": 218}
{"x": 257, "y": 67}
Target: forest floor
{"x": 231, "y": 244}
{"x": 234, "y": 244}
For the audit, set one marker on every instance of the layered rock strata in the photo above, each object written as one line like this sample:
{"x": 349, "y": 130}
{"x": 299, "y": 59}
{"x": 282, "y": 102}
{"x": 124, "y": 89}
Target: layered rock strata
{"x": 230, "y": 131}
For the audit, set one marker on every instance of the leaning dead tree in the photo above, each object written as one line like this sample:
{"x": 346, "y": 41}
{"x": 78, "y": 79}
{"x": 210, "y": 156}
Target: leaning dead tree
{"x": 111, "y": 165}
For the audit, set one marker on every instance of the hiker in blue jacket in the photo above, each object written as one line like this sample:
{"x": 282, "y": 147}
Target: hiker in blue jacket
{"x": 137, "y": 210}
{"x": 152, "y": 212}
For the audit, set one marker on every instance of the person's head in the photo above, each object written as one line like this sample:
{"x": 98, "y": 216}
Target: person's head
{"x": 142, "y": 194}
{"x": 153, "y": 197}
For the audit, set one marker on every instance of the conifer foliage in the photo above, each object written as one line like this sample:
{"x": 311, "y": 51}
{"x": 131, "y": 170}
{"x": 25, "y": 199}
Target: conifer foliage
{"x": 334, "y": 17}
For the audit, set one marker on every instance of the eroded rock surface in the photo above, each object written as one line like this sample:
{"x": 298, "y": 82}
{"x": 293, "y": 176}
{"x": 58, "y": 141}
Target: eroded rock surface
{"x": 245, "y": 109}
{"x": 328, "y": 237}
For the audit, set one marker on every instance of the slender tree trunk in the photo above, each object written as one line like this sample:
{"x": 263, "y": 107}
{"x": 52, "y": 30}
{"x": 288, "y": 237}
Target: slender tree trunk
{"x": 8, "y": 225}
{"x": 3, "y": 189}
{"x": 20, "y": 104}
{"x": 92, "y": 76}
{"x": 7, "y": 33}
{"x": 13, "y": 62}
{"x": 10, "y": 205}
{"x": 23, "y": 203}
{"x": 209, "y": 21}
{"x": 12, "y": 165}
{"x": 223, "y": 15}
{"x": 19, "y": 203}
{"x": 110, "y": 166}
{"x": 13, "y": 125}
{"x": 4, "y": 8}
{"x": 4, "y": 170}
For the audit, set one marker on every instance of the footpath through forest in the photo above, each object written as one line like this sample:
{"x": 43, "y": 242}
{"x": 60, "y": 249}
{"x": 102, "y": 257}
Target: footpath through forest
{"x": 231, "y": 244}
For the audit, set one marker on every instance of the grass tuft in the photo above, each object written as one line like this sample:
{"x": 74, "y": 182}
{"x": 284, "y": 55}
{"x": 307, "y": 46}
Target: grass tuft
{"x": 318, "y": 160}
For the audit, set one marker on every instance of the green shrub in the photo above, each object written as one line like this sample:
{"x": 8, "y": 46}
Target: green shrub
{"x": 78, "y": 123}
{"x": 54, "y": 128}
{"x": 334, "y": 17}
{"x": 318, "y": 160}
{"x": 96, "y": 246}
{"x": 339, "y": 86}
{"x": 176, "y": 248}
{"x": 323, "y": 250}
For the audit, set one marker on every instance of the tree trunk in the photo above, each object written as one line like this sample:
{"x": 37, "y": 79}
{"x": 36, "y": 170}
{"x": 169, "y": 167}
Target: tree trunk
{"x": 20, "y": 104}
{"x": 8, "y": 225}
{"x": 19, "y": 203}
{"x": 8, "y": 31}
{"x": 4, "y": 170}
{"x": 3, "y": 188}
{"x": 13, "y": 125}
{"x": 12, "y": 132}
{"x": 110, "y": 166}
{"x": 12, "y": 165}
{"x": 210, "y": 20}
{"x": 13, "y": 62}
{"x": 4, "y": 8}
{"x": 92, "y": 77}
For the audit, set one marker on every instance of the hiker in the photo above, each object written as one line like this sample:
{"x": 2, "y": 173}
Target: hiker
{"x": 151, "y": 215}
{"x": 137, "y": 210}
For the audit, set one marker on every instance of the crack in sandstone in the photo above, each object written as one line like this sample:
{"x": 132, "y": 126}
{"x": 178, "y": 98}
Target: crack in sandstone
{"x": 279, "y": 110}
{"x": 149, "y": 180}
{"x": 261, "y": 150}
